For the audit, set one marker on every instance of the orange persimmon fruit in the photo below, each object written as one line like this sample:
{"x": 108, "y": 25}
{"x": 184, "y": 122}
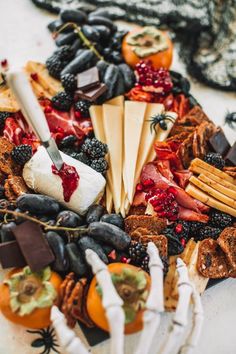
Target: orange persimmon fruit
{"x": 94, "y": 301}
{"x": 39, "y": 318}
{"x": 161, "y": 59}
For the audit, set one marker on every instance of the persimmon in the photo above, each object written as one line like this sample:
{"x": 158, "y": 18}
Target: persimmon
{"x": 39, "y": 317}
{"x": 148, "y": 43}
{"x": 126, "y": 279}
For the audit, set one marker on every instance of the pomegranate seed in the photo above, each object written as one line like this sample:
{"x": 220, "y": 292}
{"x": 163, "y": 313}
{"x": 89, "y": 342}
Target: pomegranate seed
{"x": 183, "y": 242}
{"x": 148, "y": 182}
{"x": 179, "y": 228}
{"x": 139, "y": 187}
{"x": 124, "y": 259}
{"x": 77, "y": 114}
{"x": 112, "y": 255}
{"x": 34, "y": 76}
{"x": 4, "y": 63}
{"x": 48, "y": 109}
{"x": 172, "y": 190}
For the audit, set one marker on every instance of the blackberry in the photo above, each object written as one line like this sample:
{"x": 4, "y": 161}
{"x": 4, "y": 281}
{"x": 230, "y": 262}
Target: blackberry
{"x": 69, "y": 82}
{"x": 181, "y": 229}
{"x": 165, "y": 262}
{"x": 65, "y": 53}
{"x": 55, "y": 65}
{"x": 215, "y": 159}
{"x": 68, "y": 141}
{"x": 94, "y": 148}
{"x": 80, "y": 156}
{"x": 219, "y": 219}
{"x": 208, "y": 232}
{"x": 144, "y": 264}
{"x": 194, "y": 227}
{"x": 21, "y": 154}
{"x": 82, "y": 106}
{"x": 62, "y": 101}
{"x": 137, "y": 252}
{"x": 3, "y": 117}
{"x": 100, "y": 165}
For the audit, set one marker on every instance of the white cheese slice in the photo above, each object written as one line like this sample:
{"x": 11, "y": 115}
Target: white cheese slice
{"x": 148, "y": 137}
{"x": 113, "y": 127}
{"x": 97, "y": 120}
{"x": 133, "y": 124}
{"x": 38, "y": 176}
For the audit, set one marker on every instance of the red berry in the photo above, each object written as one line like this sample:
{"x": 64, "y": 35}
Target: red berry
{"x": 4, "y": 63}
{"x": 183, "y": 242}
{"x": 124, "y": 259}
{"x": 34, "y": 76}
{"x": 148, "y": 182}
{"x": 179, "y": 228}
{"x": 139, "y": 187}
{"x": 48, "y": 109}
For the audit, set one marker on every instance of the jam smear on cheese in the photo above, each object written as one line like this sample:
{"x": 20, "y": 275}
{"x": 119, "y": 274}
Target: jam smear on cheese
{"x": 70, "y": 179}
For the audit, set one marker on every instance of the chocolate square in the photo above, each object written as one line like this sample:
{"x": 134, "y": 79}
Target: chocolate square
{"x": 88, "y": 80}
{"x": 219, "y": 143}
{"x": 11, "y": 255}
{"x": 33, "y": 245}
{"x": 93, "y": 94}
{"x": 230, "y": 158}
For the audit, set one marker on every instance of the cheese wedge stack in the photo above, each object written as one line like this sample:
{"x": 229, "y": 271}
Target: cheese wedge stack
{"x": 125, "y": 128}
{"x": 213, "y": 187}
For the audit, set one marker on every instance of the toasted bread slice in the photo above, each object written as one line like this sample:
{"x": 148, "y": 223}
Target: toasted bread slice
{"x": 154, "y": 224}
{"x": 212, "y": 261}
{"x": 7, "y": 165}
{"x": 227, "y": 242}
{"x": 8, "y": 102}
{"x": 47, "y": 82}
{"x": 17, "y": 184}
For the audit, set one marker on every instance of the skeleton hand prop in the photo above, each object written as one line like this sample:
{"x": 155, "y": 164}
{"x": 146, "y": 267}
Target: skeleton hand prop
{"x": 112, "y": 304}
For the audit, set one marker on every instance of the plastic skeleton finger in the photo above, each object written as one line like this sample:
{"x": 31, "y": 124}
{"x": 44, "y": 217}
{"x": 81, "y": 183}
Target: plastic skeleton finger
{"x": 155, "y": 301}
{"x": 111, "y": 302}
{"x": 180, "y": 318}
{"x": 194, "y": 335}
{"x": 66, "y": 336}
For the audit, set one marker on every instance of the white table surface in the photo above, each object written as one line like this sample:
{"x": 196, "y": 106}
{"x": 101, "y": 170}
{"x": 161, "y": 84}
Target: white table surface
{"x": 24, "y": 36}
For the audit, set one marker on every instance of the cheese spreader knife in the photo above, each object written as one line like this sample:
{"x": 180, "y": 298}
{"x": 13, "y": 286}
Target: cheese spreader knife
{"x": 22, "y": 90}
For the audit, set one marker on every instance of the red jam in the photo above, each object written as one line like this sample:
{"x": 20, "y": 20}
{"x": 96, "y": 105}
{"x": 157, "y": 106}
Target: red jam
{"x": 70, "y": 179}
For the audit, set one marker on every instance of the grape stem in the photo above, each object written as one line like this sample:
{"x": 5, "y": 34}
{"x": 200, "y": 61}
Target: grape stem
{"x": 84, "y": 39}
{"x": 80, "y": 231}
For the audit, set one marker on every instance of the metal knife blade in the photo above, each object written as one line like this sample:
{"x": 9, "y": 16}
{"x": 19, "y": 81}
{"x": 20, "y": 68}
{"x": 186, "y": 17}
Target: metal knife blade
{"x": 20, "y": 86}
{"x": 54, "y": 153}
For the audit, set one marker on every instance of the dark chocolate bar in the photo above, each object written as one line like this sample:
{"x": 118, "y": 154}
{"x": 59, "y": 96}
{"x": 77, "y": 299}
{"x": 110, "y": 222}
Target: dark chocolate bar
{"x": 230, "y": 158}
{"x": 11, "y": 255}
{"x": 93, "y": 94}
{"x": 33, "y": 245}
{"x": 219, "y": 143}
{"x": 88, "y": 80}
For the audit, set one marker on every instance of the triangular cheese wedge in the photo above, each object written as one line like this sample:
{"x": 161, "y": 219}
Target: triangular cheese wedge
{"x": 148, "y": 137}
{"x": 113, "y": 127}
{"x": 116, "y": 101}
{"x": 133, "y": 124}
{"x": 8, "y": 102}
{"x": 109, "y": 199}
{"x": 162, "y": 135}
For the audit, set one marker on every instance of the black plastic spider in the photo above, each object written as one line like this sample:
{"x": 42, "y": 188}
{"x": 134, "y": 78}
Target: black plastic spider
{"x": 161, "y": 120}
{"x": 48, "y": 340}
{"x": 230, "y": 119}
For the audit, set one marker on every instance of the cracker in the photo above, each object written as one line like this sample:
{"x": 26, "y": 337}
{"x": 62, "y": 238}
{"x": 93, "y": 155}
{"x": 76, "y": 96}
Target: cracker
{"x": 227, "y": 242}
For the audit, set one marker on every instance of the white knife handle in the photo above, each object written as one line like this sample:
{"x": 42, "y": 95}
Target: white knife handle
{"x": 22, "y": 90}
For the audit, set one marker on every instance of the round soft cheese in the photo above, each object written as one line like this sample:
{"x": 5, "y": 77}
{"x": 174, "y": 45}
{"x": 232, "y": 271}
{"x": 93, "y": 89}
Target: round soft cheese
{"x": 38, "y": 176}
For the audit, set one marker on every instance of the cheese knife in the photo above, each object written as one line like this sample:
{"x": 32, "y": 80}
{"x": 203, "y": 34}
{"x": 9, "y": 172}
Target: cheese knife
{"x": 33, "y": 113}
